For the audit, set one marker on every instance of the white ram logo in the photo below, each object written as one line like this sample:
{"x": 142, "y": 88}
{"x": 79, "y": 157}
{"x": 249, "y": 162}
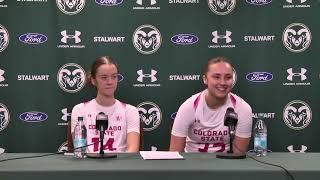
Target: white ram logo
{"x": 222, "y": 4}
{"x": 297, "y": 38}
{"x": 66, "y": 77}
{"x": 294, "y": 115}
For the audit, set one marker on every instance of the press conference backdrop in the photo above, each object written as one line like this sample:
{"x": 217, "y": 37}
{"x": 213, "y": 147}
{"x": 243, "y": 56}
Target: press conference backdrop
{"x": 47, "y": 46}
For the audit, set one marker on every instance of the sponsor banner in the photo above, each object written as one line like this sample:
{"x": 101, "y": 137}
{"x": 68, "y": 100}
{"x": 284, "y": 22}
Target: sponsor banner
{"x": 146, "y": 79}
{"x": 2, "y": 79}
{"x": 184, "y": 1}
{"x": 259, "y": 38}
{"x": 259, "y": 76}
{"x": 184, "y": 39}
{"x": 150, "y": 115}
{"x": 297, "y": 115}
{"x": 296, "y": 37}
{"x": 4, "y": 117}
{"x": 70, "y": 39}
{"x": 222, "y": 7}
{"x": 263, "y": 115}
{"x": 3, "y": 4}
{"x": 296, "y": 4}
{"x": 109, "y": 2}
{"x": 4, "y": 38}
{"x": 221, "y": 39}
{"x": 33, "y": 38}
{"x": 146, "y": 5}
{"x": 71, "y": 77}
{"x": 108, "y": 39}
{"x": 297, "y": 77}
{"x": 70, "y": 7}
{"x": 29, "y": 77}
{"x": 33, "y": 116}
{"x": 147, "y": 39}
{"x": 185, "y": 77}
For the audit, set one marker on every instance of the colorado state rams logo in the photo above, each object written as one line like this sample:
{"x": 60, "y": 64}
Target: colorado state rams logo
{"x": 150, "y": 114}
{"x": 221, "y": 7}
{"x": 4, "y": 38}
{"x": 4, "y": 117}
{"x": 147, "y": 39}
{"x": 71, "y": 77}
{"x": 297, "y": 115}
{"x": 296, "y": 37}
{"x": 70, "y": 7}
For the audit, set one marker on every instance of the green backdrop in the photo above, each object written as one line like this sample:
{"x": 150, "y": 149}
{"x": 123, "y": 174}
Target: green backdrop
{"x": 45, "y": 47}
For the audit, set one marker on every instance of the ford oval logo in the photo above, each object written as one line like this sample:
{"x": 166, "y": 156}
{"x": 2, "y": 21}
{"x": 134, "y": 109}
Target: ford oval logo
{"x": 259, "y": 76}
{"x": 33, "y": 38}
{"x": 120, "y": 77}
{"x": 33, "y": 116}
{"x": 259, "y": 2}
{"x": 109, "y": 2}
{"x": 184, "y": 39}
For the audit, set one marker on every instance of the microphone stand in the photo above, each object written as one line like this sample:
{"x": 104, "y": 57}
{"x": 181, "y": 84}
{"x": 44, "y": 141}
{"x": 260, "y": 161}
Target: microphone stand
{"x": 101, "y": 142}
{"x": 230, "y": 154}
{"x": 101, "y": 154}
{"x": 102, "y": 126}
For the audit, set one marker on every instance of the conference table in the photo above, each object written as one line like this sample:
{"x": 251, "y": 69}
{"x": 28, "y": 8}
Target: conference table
{"x": 195, "y": 166}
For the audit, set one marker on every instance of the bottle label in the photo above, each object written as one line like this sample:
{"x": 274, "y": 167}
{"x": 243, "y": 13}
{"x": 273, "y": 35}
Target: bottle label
{"x": 79, "y": 143}
{"x": 260, "y": 141}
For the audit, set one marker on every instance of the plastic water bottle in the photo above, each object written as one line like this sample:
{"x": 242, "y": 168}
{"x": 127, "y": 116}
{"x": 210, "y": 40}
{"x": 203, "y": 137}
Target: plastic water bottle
{"x": 260, "y": 138}
{"x": 80, "y": 139}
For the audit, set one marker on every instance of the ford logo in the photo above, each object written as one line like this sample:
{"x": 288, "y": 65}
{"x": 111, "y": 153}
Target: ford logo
{"x": 109, "y": 2}
{"x": 33, "y": 116}
{"x": 184, "y": 39}
{"x": 259, "y": 76}
{"x": 173, "y": 115}
{"x": 259, "y": 2}
{"x": 33, "y": 38}
{"x": 120, "y": 77}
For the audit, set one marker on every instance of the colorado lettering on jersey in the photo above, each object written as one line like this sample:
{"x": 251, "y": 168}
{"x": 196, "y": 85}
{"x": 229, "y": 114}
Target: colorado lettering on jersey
{"x": 209, "y": 136}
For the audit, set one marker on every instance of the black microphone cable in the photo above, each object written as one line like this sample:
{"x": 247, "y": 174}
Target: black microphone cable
{"x": 270, "y": 164}
{"x": 49, "y": 154}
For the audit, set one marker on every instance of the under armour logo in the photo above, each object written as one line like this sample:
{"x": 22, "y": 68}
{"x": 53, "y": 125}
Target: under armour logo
{"x": 302, "y": 150}
{"x": 152, "y": 75}
{"x": 301, "y": 74}
{"x": 216, "y": 36}
{"x": 66, "y": 115}
{"x": 301, "y": 1}
{"x": 66, "y": 36}
{"x": 153, "y": 2}
{"x": 1, "y": 75}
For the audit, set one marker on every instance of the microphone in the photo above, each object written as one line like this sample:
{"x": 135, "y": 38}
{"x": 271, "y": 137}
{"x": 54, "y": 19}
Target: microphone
{"x": 101, "y": 125}
{"x": 101, "y": 122}
{"x": 231, "y": 120}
